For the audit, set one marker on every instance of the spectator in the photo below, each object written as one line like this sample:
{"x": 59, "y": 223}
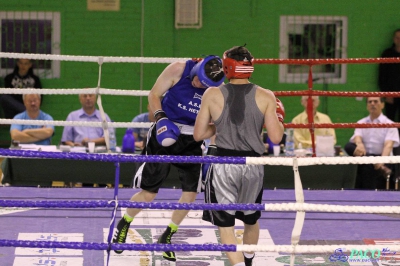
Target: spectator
{"x": 373, "y": 142}
{"x": 389, "y": 78}
{"x": 302, "y": 135}
{"x": 35, "y": 134}
{"x": 140, "y": 133}
{"x": 80, "y": 135}
{"x": 22, "y": 77}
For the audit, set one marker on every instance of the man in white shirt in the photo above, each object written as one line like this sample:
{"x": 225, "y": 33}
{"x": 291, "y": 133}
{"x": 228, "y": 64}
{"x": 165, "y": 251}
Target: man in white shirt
{"x": 373, "y": 142}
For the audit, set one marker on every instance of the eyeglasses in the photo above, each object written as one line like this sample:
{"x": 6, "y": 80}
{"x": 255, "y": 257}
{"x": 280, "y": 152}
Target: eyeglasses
{"x": 373, "y": 101}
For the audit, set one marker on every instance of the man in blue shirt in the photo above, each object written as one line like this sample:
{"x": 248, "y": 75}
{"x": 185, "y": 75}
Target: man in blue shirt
{"x": 140, "y": 133}
{"x": 34, "y": 134}
{"x": 78, "y": 135}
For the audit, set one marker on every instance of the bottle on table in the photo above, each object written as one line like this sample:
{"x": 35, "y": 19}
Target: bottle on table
{"x": 113, "y": 140}
{"x": 289, "y": 146}
{"x": 128, "y": 142}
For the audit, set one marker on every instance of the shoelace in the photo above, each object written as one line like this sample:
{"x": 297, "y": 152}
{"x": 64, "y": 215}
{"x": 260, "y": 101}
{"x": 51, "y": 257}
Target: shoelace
{"x": 169, "y": 236}
{"x": 122, "y": 234}
{"x": 168, "y": 240}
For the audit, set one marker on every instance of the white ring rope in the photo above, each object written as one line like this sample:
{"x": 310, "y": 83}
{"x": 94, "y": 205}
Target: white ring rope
{"x": 307, "y": 161}
{"x": 103, "y": 91}
{"x": 104, "y": 59}
{"x": 300, "y": 215}
{"x": 77, "y": 123}
{"x": 101, "y": 109}
{"x": 312, "y": 248}
{"x": 311, "y": 207}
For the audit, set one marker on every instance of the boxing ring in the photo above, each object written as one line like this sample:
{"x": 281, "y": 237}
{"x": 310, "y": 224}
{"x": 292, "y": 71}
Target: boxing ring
{"x": 60, "y": 226}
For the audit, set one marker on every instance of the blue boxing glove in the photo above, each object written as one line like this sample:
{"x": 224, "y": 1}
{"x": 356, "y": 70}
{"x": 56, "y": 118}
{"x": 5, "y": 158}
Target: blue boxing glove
{"x": 212, "y": 150}
{"x": 167, "y": 131}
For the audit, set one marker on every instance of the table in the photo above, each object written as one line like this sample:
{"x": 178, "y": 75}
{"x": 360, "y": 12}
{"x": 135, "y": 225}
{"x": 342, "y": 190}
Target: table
{"x": 312, "y": 177}
{"x": 41, "y": 172}
{"x": 34, "y": 172}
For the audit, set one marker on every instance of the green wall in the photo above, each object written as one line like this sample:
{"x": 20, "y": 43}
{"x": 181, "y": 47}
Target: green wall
{"x": 226, "y": 23}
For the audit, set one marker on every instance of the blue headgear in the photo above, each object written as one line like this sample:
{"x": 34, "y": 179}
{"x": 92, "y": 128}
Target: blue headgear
{"x": 209, "y": 71}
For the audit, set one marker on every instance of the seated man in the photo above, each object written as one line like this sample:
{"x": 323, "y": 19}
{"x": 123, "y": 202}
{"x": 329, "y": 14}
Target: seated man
{"x": 302, "y": 135}
{"x": 80, "y": 135}
{"x": 35, "y": 134}
{"x": 373, "y": 142}
{"x": 140, "y": 133}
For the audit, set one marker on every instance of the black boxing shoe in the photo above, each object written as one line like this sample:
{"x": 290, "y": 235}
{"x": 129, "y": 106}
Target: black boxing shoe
{"x": 247, "y": 261}
{"x": 165, "y": 238}
{"x": 121, "y": 233}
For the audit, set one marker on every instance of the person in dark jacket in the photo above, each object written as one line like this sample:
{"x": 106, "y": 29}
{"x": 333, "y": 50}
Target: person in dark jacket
{"x": 389, "y": 78}
{"x": 22, "y": 77}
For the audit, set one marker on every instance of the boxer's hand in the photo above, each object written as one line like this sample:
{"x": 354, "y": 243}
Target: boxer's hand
{"x": 167, "y": 131}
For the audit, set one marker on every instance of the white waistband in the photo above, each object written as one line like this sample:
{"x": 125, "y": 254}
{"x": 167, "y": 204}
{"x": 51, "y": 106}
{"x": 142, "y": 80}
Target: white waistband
{"x": 185, "y": 129}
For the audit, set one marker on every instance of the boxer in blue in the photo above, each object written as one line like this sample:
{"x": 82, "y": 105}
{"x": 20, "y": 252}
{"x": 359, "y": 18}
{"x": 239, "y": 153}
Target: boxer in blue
{"x": 175, "y": 99}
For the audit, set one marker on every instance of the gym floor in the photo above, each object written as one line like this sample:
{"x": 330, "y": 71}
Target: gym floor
{"x": 91, "y": 225}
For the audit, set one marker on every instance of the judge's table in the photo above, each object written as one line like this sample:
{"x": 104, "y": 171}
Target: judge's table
{"x": 43, "y": 172}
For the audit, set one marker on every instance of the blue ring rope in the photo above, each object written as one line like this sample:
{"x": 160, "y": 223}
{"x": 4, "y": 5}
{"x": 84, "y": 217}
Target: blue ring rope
{"x": 85, "y": 204}
{"x": 106, "y": 246}
{"x": 121, "y": 158}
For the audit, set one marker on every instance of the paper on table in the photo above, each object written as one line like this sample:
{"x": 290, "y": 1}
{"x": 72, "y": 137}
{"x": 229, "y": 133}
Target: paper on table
{"x": 324, "y": 146}
{"x": 35, "y": 147}
{"x": 100, "y": 149}
{"x": 29, "y": 147}
{"x": 65, "y": 148}
{"x": 48, "y": 148}
{"x": 78, "y": 149}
